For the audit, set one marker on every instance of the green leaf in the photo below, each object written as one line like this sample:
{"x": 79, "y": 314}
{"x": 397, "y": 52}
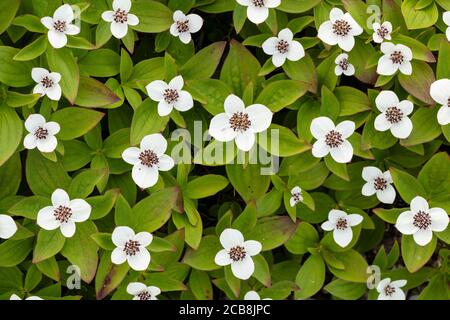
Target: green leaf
{"x": 418, "y": 83}
{"x": 408, "y": 186}
{"x": 418, "y": 19}
{"x": 103, "y": 204}
{"x": 345, "y": 289}
{"x": 351, "y": 100}
{"x": 154, "y": 17}
{"x": 205, "y": 186}
{"x": 305, "y": 237}
{"x": 310, "y": 277}
{"x": 8, "y": 10}
{"x": 247, "y": 219}
{"x": 48, "y": 244}
{"x": 200, "y": 285}
{"x": 415, "y": 256}
{"x": 16, "y": 99}
{"x": 30, "y": 23}
{"x": 108, "y": 276}
{"x": 13, "y": 252}
{"x": 279, "y": 94}
{"x": 248, "y": 182}
{"x": 204, "y": 63}
{"x": 147, "y": 71}
{"x": 354, "y": 267}
{"x": 211, "y": 93}
{"x": 14, "y": 73}
{"x": 203, "y": 258}
{"x": 140, "y": 126}
{"x": 100, "y": 63}
{"x": 94, "y": 94}
{"x": 103, "y": 240}
{"x": 29, "y": 207}
{"x": 33, "y": 50}
{"x": 294, "y": 6}
{"x": 84, "y": 183}
{"x": 272, "y": 232}
{"x": 10, "y": 176}
{"x": 11, "y": 128}
{"x": 435, "y": 176}
{"x": 75, "y": 122}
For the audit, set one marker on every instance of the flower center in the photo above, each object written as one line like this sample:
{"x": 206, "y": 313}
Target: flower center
{"x": 62, "y": 214}
{"x": 47, "y": 82}
{"x": 60, "y": 26}
{"x": 448, "y": 102}
{"x": 393, "y": 115}
{"x": 237, "y": 253}
{"x": 397, "y": 57}
{"x": 41, "y": 133}
{"x": 120, "y": 16}
{"x": 389, "y": 291}
{"x": 183, "y": 26}
{"x": 333, "y": 139}
{"x": 383, "y": 32}
{"x": 131, "y": 247}
{"x": 296, "y": 197}
{"x": 240, "y": 121}
{"x": 258, "y": 3}
{"x": 341, "y": 27}
{"x": 344, "y": 64}
{"x": 341, "y": 224}
{"x": 148, "y": 158}
{"x": 144, "y": 295}
{"x": 422, "y": 220}
{"x": 379, "y": 183}
{"x": 283, "y": 46}
{"x": 171, "y": 96}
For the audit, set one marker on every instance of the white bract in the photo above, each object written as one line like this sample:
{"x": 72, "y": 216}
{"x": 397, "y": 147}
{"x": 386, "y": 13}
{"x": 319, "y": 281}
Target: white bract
{"x": 283, "y": 47}
{"x": 183, "y": 25}
{"x": 16, "y": 297}
{"x": 238, "y": 253}
{"x": 253, "y": 295}
{"x": 421, "y": 221}
{"x": 394, "y": 114}
{"x": 446, "y": 18}
{"x": 258, "y": 10}
{"x": 340, "y": 29}
{"x": 332, "y": 139}
{"x": 396, "y": 57}
{"x": 378, "y": 183}
{"x": 47, "y": 83}
{"x": 382, "y": 32}
{"x": 141, "y": 291}
{"x": 240, "y": 123}
{"x": 341, "y": 223}
{"x": 390, "y": 290}
{"x": 296, "y": 196}
{"x": 41, "y": 133}
{"x": 440, "y": 92}
{"x": 170, "y": 95}
{"x": 60, "y": 26}
{"x": 343, "y": 66}
{"x": 120, "y": 18}
{"x": 148, "y": 159}
{"x": 131, "y": 247}
{"x": 63, "y": 213}
{"x": 8, "y": 226}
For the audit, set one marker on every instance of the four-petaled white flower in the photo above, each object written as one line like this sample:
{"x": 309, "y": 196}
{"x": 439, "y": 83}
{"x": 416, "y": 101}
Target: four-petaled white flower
{"x": 332, "y": 139}
{"x": 440, "y": 92}
{"x": 396, "y": 57}
{"x": 381, "y": 32}
{"x": 296, "y": 194}
{"x": 8, "y": 226}
{"x": 16, "y": 297}
{"x": 238, "y": 253}
{"x": 340, "y": 29}
{"x": 41, "y": 133}
{"x": 148, "y": 160}
{"x": 60, "y": 26}
{"x": 421, "y": 221}
{"x": 120, "y": 18}
{"x": 47, "y": 83}
{"x": 63, "y": 213}
{"x": 390, "y": 290}
{"x": 170, "y": 95}
{"x": 183, "y": 25}
{"x": 341, "y": 224}
{"x": 394, "y": 114}
{"x": 446, "y": 18}
{"x": 283, "y": 47}
{"x": 343, "y": 66}
{"x": 253, "y": 295}
{"x": 240, "y": 123}
{"x": 131, "y": 247}
{"x": 378, "y": 183}
{"x": 141, "y": 291}
{"x": 258, "y": 10}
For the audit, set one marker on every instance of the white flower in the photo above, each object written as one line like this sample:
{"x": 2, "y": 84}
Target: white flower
{"x": 258, "y": 10}
{"x": 341, "y": 224}
{"x": 47, "y": 83}
{"x": 340, "y": 29}
{"x": 283, "y": 47}
{"x": 296, "y": 194}
{"x": 394, "y": 114}
{"x": 183, "y": 25}
{"x": 390, "y": 290}
{"x": 7, "y": 226}
{"x": 141, "y": 292}
{"x": 148, "y": 159}
{"x": 16, "y": 297}
{"x": 332, "y": 139}
{"x": 446, "y": 18}
{"x": 440, "y": 92}
{"x": 378, "y": 183}
{"x": 396, "y": 57}
{"x": 253, "y": 295}
{"x": 381, "y": 32}
{"x": 170, "y": 95}
{"x": 131, "y": 247}
{"x": 63, "y": 213}
{"x": 41, "y": 133}
{"x": 240, "y": 123}
{"x": 343, "y": 66}
{"x": 421, "y": 221}
{"x": 238, "y": 253}
{"x": 60, "y": 25}
{"x": 120, "y": 18}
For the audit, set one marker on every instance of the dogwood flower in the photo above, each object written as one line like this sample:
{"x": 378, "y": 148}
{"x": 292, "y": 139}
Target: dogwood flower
{"x": 378, "y": 183}
{"x": 421, "y": 221}
{"x": 60, "y": 26}
{"x": 381, "y": 32}
{"x": 343, "y": 66}
{"x": 440, "y": 92}
{"x": 283, "y": 47}
{"x": 41, "y": 133}
{"x": 340, "y": 29}
{"x": 16, "y": 297}
{"x": 170, "y": 95}
{"x": 341, "y": 224}
{"x": 148, "y": 159}
{"x": 253, "y": 295}
{"x": 131, "y": 247}
{"x": 120, "y": 18}
{"x": 296, "y": 194}
{"x": 394, "y": 114}
{"x": 47, "y": 83}
{"x": 390, "y": 290}
{"x": 141, "y": 292}
{"x": 332, "y": 139}
{"x": 240, "y": 123}
{"x": 7, "y": 226}
{"x": 396, "y": 57}
{"x": 63, "y": 213}
{"x": 238, "y": 253}
{"x": 183, "y": 25}
{"x": 258, "y": 10}
{"x": 446, "y": 18}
